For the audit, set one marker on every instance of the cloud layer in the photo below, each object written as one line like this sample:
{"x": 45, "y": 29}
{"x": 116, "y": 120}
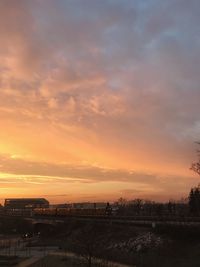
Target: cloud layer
{"x": 92, "y": 86}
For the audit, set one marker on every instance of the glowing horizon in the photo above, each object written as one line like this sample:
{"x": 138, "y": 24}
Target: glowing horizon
{"x": 99, "y": 99}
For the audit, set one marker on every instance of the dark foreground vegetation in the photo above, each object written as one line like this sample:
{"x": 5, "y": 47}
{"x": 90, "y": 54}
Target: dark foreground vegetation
{"x": 164, "y": 246}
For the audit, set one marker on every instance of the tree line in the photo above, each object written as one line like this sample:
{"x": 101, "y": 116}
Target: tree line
{"x": 189, "y": 206}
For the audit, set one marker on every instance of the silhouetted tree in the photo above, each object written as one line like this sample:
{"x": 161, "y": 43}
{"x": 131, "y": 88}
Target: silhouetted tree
{"x": 171, "y": 207}
{"x": 194, "y": 200}
{"x": 91, "y": 241}
{"x": 137, "y": 205}
{"x": 122, "y": 202}
{"x": 196, "y": 165}
{"x": 148, "y": 207}
{"x": 121, "y": 206}
{"x": 191, "y": 201}
{"x": 159, "y": 209}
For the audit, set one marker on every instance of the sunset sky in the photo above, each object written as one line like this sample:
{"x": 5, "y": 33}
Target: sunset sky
{"x": 99, "y": 99}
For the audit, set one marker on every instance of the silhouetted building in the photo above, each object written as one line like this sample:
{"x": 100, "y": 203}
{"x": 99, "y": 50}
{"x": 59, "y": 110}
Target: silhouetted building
{"x": 26, "y": 203}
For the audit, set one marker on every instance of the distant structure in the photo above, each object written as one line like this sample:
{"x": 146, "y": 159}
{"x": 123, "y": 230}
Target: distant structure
{"x": 88, "y": 205}
{"x": 25, "y": 203}
{"x": 80, "y": 205}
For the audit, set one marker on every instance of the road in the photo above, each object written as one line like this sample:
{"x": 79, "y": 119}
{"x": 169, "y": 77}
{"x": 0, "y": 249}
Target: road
{"x": 116, "y": 220}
